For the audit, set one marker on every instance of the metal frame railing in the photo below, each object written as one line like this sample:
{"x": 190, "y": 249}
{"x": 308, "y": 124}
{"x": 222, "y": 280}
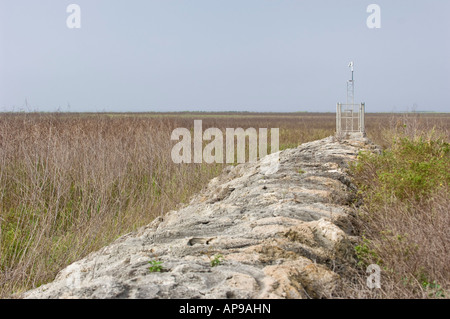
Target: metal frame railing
{"x": 350, "y": 118}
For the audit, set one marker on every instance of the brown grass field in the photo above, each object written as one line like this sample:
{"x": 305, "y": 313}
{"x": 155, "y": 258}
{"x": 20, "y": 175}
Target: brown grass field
{"x": 72, "y": 183}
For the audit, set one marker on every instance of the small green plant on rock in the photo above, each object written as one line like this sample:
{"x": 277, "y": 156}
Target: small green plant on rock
{"x": 217, "y": 260}
{"x": 156, "y": 266}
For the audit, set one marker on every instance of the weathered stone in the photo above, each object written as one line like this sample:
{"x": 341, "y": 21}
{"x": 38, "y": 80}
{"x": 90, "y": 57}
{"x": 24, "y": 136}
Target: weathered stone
{"x": 280, "y": 224}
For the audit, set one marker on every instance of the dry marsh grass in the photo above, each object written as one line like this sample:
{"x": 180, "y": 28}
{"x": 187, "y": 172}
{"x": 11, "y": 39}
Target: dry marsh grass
{"x": 70, "y": 185}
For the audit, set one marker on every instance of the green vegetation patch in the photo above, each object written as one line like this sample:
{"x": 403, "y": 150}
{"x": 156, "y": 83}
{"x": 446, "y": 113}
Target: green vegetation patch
{"x": 409, "y": 170}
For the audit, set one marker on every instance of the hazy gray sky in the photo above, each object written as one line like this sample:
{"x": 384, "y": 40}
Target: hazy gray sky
{"x": 228, "y": 55}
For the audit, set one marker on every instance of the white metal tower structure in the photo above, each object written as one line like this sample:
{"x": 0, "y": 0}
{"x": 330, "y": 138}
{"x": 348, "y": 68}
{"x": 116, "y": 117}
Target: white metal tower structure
{"x": 350, "y": 116}
{"x": 348, "y": 110}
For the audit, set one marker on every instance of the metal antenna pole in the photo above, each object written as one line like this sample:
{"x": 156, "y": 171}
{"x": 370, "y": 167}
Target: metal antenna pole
{"x": 351, "y": 88}
{"x": 350, "y": 101}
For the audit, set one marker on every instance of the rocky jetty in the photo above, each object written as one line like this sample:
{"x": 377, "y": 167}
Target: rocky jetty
{"x": 277, "y": 228}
